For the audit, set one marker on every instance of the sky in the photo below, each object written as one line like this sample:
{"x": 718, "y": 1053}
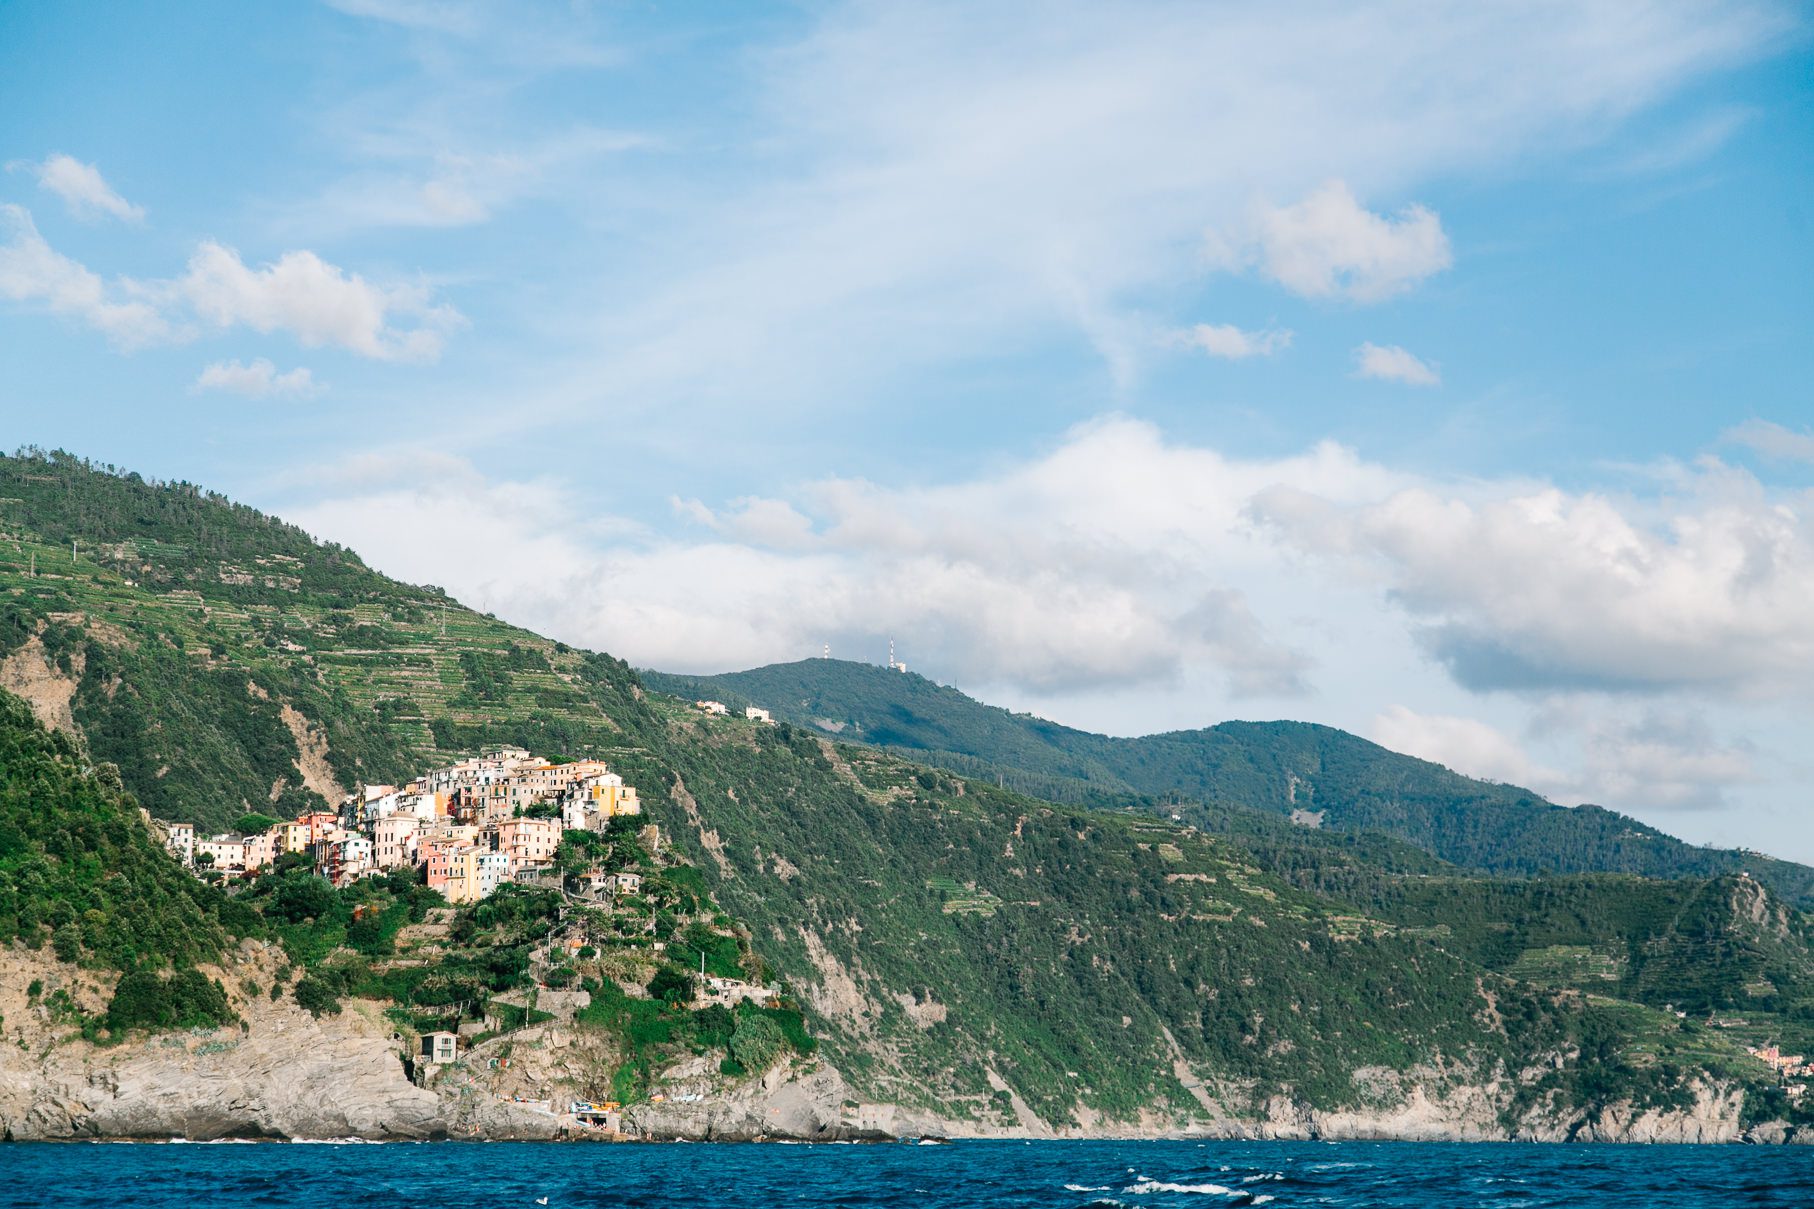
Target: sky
{"x": 1439, "y": 372}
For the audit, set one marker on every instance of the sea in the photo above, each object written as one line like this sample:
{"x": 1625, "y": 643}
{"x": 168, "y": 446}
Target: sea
{"x": 966, "y": 1174}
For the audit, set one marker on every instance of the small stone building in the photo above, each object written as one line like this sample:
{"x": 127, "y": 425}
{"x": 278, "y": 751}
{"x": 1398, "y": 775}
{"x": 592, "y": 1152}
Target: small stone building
{"x": 440, "y": 1048}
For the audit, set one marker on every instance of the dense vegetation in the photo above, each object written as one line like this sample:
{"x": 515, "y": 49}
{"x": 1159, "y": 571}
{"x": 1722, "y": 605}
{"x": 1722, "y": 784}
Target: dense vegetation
{"x": 1278, "y": 767}
{"x": 80, "y": 873}
{"x": 954, "y": 943}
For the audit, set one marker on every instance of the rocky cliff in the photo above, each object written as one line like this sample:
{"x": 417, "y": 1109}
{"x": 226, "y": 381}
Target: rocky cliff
{"x": 283, "y": 1073}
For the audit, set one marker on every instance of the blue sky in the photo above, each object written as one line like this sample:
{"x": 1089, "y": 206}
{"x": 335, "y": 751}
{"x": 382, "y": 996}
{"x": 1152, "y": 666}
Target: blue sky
{"x": 1439, "y": 372}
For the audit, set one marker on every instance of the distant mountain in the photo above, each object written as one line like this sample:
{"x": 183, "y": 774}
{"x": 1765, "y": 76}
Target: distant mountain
{"x": 1317, "y": 775}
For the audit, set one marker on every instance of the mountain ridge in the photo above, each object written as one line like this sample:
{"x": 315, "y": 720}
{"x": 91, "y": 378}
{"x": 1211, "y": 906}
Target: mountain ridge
{"x": 1320, "y": 774}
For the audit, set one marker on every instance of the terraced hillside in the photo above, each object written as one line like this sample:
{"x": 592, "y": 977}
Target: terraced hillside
{"x": 960, "y": 948}
{"x": 224, "y": 660}
{"x": 1316, "y": 774}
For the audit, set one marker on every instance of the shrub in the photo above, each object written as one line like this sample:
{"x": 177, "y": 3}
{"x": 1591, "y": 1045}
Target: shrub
{"x": 757, "y": 1042}
{"x": 671, "y": 985}
{"x": 303, "y": 897}
{"x": 316, "y": 997}
{"x": 147, "y": 1000}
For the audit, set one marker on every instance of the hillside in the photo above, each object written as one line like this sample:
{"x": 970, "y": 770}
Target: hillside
{"x": 966, "y": 955}
{"x": 66, "y": 835}
{"x": 1318, "y": 773}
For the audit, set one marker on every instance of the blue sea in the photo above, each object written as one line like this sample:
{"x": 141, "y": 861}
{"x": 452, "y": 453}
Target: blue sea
{"x": 971, "y": 1175}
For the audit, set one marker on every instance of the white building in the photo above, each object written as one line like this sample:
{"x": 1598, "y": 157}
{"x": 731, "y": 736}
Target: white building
{"x": 756, "y": 715}
{"x": 179, "y": 838}
{"x": 494, "y": 871}
{"x": 225, "y": 852}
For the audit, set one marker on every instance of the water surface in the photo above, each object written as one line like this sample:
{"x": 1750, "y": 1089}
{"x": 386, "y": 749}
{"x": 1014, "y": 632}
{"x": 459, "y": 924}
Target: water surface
{"x": 970, "y": 1175}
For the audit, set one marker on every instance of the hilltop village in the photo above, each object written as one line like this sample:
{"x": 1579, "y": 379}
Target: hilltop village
{"x": 468, "y": 828}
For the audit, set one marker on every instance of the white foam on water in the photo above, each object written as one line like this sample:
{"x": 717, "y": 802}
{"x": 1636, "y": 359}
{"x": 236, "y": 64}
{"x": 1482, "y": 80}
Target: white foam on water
{"x": 1083, "y": 1188}
{"x": 1149, "y": 1185}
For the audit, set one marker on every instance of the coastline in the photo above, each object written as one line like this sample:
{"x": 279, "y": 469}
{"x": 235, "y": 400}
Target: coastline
{"x": 284, "y": 1075}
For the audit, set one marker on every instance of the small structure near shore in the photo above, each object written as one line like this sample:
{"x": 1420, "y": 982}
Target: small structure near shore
{"x": 438, "y": 1049}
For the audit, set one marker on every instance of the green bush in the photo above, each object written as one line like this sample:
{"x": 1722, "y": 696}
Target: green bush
{"x": 757, "y": 1042}
{"x": 316, "y": 997}
{"x": 671, "y": 985}
{"x": 144, "y": 999}
{"x": 66, "y": 943}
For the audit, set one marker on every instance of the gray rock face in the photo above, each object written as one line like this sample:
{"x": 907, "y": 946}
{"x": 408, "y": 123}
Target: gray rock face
{"x": 785, "y": 1103}
{"x": 286, "y": 1074}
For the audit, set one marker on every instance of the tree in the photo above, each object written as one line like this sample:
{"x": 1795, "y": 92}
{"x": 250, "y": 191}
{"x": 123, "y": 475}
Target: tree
{"x": 757, "y": 1042}
{"x": 316, "y": 997}
{"x": 303, "y": 897}
{"x": 66, "y": 942}
{"x": 671, "y": 985}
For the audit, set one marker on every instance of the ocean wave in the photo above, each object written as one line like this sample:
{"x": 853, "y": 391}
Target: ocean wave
{"x": 1147, "y": 1186}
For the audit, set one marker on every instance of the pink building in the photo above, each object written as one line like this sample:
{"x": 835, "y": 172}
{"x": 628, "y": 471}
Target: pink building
{"x": 394, "y": 841}
{"x": 528, "y": 841}
{"x": 262, "y": 849}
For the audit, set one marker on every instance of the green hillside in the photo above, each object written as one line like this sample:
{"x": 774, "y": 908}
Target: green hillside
{"x": 1325, "y": 775}
{"x": 955, "y": 944}
{"x": 81, "y": 874}
{"x": 66, "y": 835}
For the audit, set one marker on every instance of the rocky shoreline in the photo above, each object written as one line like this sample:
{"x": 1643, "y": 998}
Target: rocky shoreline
{"x": 286, "y": 1075}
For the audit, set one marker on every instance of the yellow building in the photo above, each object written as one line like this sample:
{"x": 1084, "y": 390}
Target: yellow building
{"x": 611, "y": 797}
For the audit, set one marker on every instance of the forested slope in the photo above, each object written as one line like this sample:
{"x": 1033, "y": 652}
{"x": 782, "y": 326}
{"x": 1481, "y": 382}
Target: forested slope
{"x": 1335, "y": 778}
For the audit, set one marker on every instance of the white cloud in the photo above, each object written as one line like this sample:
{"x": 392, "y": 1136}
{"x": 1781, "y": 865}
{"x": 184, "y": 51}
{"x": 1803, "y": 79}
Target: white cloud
{"x": 526, "y": 37}
{"x": 1465, "y": 745}
{"x": 1653, "y": 759}
{"x": 1685, "y": 145}
{"x": 1119, "y": 558}
{"x": 255, "y": 380}
{"x": 317, "y": 302}
{"x": 1772, "y": 440}
{"x": 1232, "y": 343}
{"x": 415, "y": 180}
{"x": 1531, "y": 588}
{"x": 1666, "y": 759}
{"x": 35, "y": 274}
{"x": 440, "y": 16}
{"x": 1390, "y": 363}
{"x": 1112, "y": 560}
{"x": 1330, "y": 246}
{"x": 82, "y": 188}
